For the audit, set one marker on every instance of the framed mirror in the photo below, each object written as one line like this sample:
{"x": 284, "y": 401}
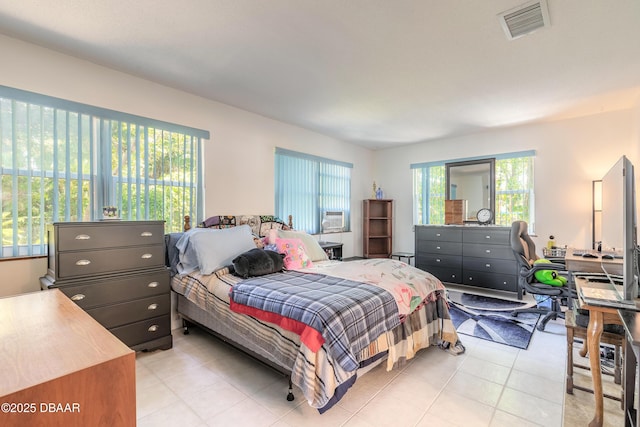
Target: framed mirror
{"x": 473, "y": 181}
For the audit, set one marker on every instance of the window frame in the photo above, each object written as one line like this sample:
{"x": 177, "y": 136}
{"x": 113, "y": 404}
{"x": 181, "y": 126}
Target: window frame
{"x": 85, "y": 131}
{"x": 422, "y": 199}
{"x": 324, "y": 184}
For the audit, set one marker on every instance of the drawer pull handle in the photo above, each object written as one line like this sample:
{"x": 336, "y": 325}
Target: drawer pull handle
{"x": 488, "y": 265}
{"x": 487, "y": 237}
{"x": 152, "y": 306}
{"x": 83, "y": 237}
{"x": 437, "y": 234}
{"x": 437, "y": 259}
{"x": 77, "y": 297}
{"x": 146, "y": 256}
{"x": 488, "y": 251}
{"x": 437, "y": 247}
{"x": 146, "y": 234}
{"x": 153, "y": 328}
{"x": 152, "y": 285}
{"x": 83, "y": 262}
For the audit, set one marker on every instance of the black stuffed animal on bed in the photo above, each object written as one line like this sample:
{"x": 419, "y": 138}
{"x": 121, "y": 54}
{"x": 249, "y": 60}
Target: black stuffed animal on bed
{"x": 257, "y": 262}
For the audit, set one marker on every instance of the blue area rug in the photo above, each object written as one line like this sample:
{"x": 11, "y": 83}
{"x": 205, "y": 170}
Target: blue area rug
{"x": 490, "y": 318}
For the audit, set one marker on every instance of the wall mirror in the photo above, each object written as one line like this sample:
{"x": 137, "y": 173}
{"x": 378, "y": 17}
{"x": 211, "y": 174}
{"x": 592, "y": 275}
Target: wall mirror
{"x": 473, "y": 181}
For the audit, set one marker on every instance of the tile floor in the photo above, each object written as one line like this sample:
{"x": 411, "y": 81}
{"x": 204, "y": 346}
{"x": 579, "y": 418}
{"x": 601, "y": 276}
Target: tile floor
{"x": 203, "y": 382}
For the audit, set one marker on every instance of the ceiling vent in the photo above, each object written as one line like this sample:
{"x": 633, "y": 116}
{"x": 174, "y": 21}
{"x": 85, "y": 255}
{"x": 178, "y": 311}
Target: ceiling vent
{"x": 524, "y": 19}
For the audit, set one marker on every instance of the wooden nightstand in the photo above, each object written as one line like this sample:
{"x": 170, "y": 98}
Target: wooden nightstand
{"x": 333, "y": 250}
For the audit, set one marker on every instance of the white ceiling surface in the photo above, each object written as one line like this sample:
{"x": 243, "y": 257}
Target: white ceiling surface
{"x": 378, "y": 73}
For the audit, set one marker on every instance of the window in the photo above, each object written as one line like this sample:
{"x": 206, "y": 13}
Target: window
{"x": 514, "y": 189}
{"x": 63, "y": 161}
{"x": 306, "y": 186}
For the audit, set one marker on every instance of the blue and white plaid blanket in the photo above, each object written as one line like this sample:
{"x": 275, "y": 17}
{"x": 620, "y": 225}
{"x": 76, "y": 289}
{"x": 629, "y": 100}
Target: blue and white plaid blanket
{"x": 349, "y": 315}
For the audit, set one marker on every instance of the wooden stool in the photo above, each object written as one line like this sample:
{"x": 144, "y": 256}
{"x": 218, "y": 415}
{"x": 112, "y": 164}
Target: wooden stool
{"x": 611, "y": 338}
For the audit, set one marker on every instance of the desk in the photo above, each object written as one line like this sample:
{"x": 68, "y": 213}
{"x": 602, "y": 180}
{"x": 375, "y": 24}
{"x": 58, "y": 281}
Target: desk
{"x": 575, "y": 263}
{"x": 631, "y": 322}
{"x": 598, "y": 316}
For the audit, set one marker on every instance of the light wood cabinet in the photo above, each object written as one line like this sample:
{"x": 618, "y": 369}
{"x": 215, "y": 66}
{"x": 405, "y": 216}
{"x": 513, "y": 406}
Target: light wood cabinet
{"x": 377, "y": 233}
{"x": 59, "y": 367}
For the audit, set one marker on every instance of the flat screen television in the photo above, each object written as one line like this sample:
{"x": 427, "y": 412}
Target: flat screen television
{"x": 619, "y": 226}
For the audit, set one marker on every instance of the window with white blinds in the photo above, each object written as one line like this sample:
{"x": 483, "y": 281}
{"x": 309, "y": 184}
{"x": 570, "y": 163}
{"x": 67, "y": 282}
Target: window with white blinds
{"x": 63, "y": 161}
{"x": 514, "y": 189}
{"x": 307, "y": 186}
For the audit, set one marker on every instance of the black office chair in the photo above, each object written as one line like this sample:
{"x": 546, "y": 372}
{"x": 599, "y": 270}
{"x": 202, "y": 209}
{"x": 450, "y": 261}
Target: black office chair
{"x": 525, "y": 252}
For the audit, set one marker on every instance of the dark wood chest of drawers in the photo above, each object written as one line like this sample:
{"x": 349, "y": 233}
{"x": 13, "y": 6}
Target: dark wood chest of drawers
{"x": 469, "y": 255}
{"x": 115, "y": 271}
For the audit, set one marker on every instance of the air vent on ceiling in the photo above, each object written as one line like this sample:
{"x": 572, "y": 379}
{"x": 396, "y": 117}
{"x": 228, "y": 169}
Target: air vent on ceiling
{"x": 524, "y": 19}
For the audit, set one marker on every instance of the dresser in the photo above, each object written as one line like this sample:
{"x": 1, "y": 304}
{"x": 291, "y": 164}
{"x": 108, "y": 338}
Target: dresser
{"x": 59, "y": 367}
{"x": 478, "y": 256}
{"x": 115, "y": 271}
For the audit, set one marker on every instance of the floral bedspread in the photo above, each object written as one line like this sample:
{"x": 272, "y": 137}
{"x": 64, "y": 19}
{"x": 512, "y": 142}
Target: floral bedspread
{"x": 409, "y": 286}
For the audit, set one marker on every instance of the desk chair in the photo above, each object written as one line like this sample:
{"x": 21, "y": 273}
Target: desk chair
{"x": 525, "y": 252}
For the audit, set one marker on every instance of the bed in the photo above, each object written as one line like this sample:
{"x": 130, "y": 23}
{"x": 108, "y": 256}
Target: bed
{"x": 320, "y": 322}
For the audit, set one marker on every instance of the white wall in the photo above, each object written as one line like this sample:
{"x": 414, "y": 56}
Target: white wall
{"x": 239, "y": 166}
{"x": 239, "y": 157}
{"x": 569, "y": 155}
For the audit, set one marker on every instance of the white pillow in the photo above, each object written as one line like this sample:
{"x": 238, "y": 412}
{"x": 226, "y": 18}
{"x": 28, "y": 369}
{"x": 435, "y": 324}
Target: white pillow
{"x": 216, "y": 248}
{"x": 187, "y": 257}
{"x": 311, "y": 245}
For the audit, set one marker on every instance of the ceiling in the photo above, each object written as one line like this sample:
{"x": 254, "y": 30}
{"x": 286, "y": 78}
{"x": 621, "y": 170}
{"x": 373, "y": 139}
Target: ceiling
{"x": 377, "y": 73}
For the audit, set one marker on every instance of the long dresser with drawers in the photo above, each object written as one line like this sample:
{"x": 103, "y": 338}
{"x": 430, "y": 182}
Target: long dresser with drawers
{"x": 115, "y": 271}
{"x": 470, "y": 255}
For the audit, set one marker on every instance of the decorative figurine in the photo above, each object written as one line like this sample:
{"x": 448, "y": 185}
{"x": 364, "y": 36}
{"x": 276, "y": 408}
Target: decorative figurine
{"x": 379, "y": 194}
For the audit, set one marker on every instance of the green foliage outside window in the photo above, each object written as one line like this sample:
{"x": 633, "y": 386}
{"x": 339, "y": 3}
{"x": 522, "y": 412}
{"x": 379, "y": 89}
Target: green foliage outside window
{"x": 51, "y": 167}
{"x": 514, "y": 192}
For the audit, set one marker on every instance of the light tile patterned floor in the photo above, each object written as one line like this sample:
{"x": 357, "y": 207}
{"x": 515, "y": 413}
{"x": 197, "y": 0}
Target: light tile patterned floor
{"x": 203, "y": 382}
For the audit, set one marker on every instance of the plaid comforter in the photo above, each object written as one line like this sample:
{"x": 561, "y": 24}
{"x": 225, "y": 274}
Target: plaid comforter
{"x": 349, "y": 315}
{"x": 320, "y": 378}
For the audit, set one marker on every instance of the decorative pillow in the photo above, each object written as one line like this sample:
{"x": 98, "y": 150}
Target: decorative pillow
{"x": 187, "y": 257}
{"x": 220, "y": 221}
{"x": 271, "y": 247}
{"x": 257, "y": 262}
{"x": 311, "y": 245}
{"x": 172, "y": 254}
{"x": 295, "y": 256}
{"x": 217, "y": 248}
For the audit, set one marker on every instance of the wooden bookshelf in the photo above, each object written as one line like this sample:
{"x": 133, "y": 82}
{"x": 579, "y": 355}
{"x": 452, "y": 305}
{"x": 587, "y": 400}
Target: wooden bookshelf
{"x": 377, "y": 234}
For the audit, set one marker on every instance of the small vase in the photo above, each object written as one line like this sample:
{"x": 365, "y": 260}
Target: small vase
{"x": 379, "y": 194}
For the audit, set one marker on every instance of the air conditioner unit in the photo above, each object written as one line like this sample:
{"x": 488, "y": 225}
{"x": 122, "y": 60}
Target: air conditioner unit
{"x": 333, "y": 222}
